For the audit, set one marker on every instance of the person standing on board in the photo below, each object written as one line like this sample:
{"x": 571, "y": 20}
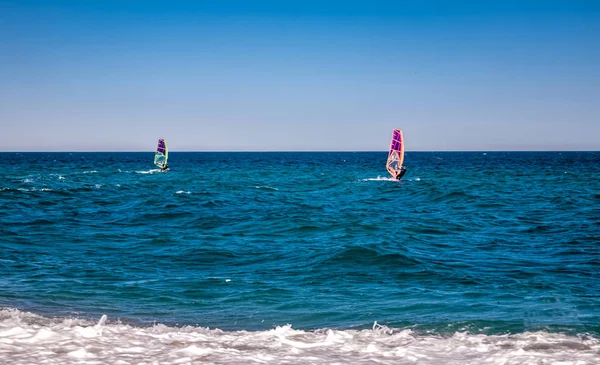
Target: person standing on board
{"x": 164, "y": 168}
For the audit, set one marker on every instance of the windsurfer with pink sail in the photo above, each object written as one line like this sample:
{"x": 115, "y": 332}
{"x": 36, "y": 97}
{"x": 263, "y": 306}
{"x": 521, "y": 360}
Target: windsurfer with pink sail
{"x": 396, "y": 155}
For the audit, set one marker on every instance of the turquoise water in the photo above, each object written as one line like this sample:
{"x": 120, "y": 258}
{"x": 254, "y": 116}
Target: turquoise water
{"x": 492, "y": 243}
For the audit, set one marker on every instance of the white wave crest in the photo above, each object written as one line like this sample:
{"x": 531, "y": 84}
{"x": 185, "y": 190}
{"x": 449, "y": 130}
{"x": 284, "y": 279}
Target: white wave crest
{"x": 266, "y": 187}
{"x": 182, "y": 192}
{"x": 152, "y": 171}
{"x": 29, "y": 339}
{"x": 379, "y": 178}
{"x": 33, "y": 189}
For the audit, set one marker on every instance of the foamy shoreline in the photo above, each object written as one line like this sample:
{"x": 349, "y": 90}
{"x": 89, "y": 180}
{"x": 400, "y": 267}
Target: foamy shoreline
{"x": 26, "y": 338}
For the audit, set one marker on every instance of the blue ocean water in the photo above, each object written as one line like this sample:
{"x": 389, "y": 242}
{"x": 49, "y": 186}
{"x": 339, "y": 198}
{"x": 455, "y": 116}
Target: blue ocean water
{"x": 484, "y": 243}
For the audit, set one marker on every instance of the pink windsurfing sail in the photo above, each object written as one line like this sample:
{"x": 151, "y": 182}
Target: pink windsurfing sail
{"x": 396, "y": 155}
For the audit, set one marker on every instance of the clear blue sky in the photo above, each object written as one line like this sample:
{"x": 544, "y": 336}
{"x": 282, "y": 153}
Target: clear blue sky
{"x": 299, "y": 75}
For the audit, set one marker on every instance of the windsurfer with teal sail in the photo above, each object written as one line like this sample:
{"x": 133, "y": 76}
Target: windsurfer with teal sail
{"x": 162, "y": 155}
{"x": 396, "y": 156}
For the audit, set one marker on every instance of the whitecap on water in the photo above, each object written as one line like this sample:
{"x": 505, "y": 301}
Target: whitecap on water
{"x": 182, "y": 192}
{"x": 266, "y": 187}
{"x": 152, "y": 171}
{"x": 33, "y": 189}
{"x": 379, "y": 178}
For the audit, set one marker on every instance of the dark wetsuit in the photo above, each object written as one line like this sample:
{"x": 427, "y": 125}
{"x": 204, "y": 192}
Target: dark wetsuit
{"x": 401, "y": 173}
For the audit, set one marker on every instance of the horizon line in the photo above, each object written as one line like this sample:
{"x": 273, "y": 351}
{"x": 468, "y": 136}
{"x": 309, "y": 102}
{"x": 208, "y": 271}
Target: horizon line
{"x": 294, "y": 151}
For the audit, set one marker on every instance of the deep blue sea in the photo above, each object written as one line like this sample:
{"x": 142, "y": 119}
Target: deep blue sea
{"x": 300, "y": 258}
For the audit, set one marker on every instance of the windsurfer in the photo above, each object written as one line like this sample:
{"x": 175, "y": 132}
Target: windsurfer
{"x": 162, "y": 155}
{"x": 395, "y": 158}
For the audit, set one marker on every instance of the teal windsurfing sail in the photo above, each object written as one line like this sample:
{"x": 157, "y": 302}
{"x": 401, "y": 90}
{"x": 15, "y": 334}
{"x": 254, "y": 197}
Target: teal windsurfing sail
{"x": 162, "y": 154}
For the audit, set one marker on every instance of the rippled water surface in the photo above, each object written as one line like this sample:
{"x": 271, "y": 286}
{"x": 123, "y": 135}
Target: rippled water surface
{"x": 491, "y": 244}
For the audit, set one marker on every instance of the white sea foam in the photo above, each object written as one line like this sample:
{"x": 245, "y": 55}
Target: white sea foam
{"x": 29, "y": 339}
{"x": 379, "y": 178}
{"x": 33, "y": 189}
{"x": 28, "y": 180}
{"x": 265, "y": 187}
{"x": 90, "y": 172}
{"x": 182, "y": 192}
{"x": 152, "y": 171}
